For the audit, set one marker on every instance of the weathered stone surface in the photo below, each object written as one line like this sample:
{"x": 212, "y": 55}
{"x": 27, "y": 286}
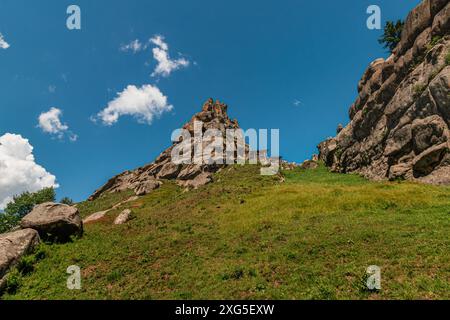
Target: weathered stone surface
{"x": 169, "y": 171}
{"x": 400, "y": 171}
{"x": 418, "y": 19}
{"x": 425, "y": 162}
{"x": 398, "y": 141}
{"x": 13, "y": 246}
{"x": 327, "y": 151}
{"x": 309, "y": 164}
{"x": 428, "y": 132}
{"x": 123, "y": 217}
{"x": 437, "y": 5}
{"x": 441, "y": 22}
{"x": 145, "y": 179}
{"x": 95, "y": 217}
{"x": 146, "y": 187}
{"x": 400, "y": 120}
{"x": 54, "y": 221}
{"x": 200, "y": 180}
{"x": 190, "y": 172}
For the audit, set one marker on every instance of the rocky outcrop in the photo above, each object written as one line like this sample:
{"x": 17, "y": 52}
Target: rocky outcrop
{"x": 149, "y": 177}
{"x": 13, "y": 246}
{"x": 54, "y": 221}
{"x": 400, "y": 121}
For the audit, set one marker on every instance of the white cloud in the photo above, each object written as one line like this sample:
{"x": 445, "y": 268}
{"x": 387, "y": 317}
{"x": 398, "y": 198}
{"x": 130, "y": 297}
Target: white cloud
{"x": 134, "y": 46}
{"x": 18, "y": 169}
{"x": 297, "y": 103}
{"x": 143, "y": 103}
{"x": 165, "y": 64}
{"x": 50, "y": 122}
{"x": 3, "y": 43}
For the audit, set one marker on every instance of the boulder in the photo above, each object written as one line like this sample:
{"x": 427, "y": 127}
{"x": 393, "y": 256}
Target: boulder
{"x": 123, "y": 217}
{"x": 146, "y": 187}
{"x": 200, "y": 180}
{"x": 54, "y": 221}
{"x": 190, "y": 172}
{"x": 169, "y": 171}
{"x": 13, "y": 246}
{"x": 95, "y": 217}
{"x": 309, "y": 164}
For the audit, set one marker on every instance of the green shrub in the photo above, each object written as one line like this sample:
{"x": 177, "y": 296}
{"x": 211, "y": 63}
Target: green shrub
{"x": 67, "y": 200}
{"x": 419, "y": 89}
{"x": 13, "y": 281}
{"x": 25, "y": 265}
{"x": 40, "y": 252}
{"x": 447, "y": 59}
{"x": 7, "y": 222}
{"x": 392, "y": 34}
{"x": 435, "y": 40}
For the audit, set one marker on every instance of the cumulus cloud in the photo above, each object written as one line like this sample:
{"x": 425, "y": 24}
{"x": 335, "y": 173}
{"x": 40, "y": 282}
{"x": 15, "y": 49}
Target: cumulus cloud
{"x": 134, "y": 46}
{"x": 165, "y": 64}
{"x": 18, "y": 169}
{"x": 50, "y": 122}
{"x": 3, "y": 43}
{"x": 144, "y": 103}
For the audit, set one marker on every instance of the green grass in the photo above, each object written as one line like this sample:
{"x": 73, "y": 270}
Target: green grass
{"x": 251, "y": 237}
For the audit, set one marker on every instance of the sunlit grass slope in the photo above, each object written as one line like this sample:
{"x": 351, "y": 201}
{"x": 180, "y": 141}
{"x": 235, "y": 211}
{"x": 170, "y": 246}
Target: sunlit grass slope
{"x": 251, "y": 237}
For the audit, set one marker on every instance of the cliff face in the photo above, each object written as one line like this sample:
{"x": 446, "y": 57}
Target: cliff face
{"x": 149, "y": 177}
{"x": 400, "y": 121}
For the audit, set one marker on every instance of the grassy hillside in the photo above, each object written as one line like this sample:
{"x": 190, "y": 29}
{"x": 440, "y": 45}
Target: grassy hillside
{"x": 251, "y": 237}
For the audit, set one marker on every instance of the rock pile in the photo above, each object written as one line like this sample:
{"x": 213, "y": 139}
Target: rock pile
{"x": 400, "y": 121}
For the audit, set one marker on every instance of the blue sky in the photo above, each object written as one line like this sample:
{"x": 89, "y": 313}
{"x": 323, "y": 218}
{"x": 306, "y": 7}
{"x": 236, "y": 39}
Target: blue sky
{"x": 259, "y": 57}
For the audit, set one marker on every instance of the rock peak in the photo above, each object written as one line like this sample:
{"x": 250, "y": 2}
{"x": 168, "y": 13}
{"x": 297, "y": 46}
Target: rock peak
{"x": 216, "y": 107}
{"x": 213, "y": 115}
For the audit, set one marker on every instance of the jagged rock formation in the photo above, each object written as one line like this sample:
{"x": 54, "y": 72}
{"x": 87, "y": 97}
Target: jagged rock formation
{"x": 400, "y": 121}
{"x": 149, "y": 177}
